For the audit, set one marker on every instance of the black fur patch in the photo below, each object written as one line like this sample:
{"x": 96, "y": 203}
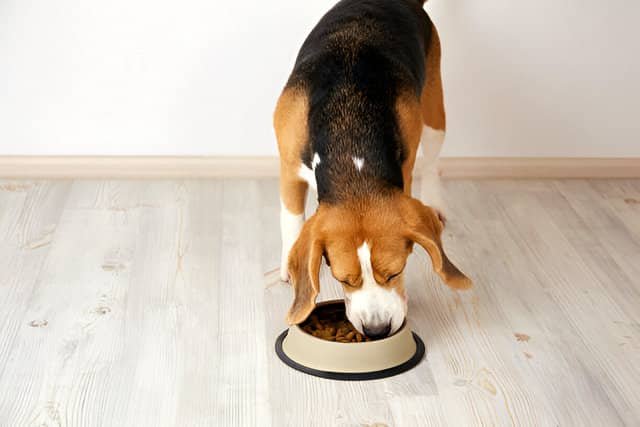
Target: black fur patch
{"x": 353, "y": 65}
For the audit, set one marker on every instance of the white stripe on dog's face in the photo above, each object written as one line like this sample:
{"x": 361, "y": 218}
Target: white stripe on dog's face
{"x": 374, "y": 306}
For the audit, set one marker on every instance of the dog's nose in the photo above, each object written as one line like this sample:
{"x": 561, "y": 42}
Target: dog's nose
{"x": 377, "y": 331}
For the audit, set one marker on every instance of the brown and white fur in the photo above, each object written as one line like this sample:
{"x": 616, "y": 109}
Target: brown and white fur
{"x": 364, "y": 94}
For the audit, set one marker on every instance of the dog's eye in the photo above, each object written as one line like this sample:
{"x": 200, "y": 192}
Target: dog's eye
{"x": 349, "y": 283}
{"x": 393, "y": 276}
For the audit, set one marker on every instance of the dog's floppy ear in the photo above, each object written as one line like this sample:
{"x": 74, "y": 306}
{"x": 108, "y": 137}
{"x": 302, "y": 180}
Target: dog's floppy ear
{"x": 304, "y": 270}
{"x": 424, "y": 228}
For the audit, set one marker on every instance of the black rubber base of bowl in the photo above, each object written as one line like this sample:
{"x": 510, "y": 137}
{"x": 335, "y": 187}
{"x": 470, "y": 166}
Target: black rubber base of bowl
{"x": 355, "y": 376}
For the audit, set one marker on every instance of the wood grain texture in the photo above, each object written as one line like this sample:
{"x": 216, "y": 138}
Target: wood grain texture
{"x": 157, "y": 303}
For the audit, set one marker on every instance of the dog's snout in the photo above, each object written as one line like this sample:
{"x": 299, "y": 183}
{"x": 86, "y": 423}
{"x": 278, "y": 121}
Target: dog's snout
{"x": 377, "y": 331}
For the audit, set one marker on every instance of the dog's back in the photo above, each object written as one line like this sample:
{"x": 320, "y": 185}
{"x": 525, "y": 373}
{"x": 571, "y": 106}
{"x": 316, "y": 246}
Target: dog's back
{"x": 356, "y": 62}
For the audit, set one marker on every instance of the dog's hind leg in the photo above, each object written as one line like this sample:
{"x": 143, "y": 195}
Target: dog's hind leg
{"x": 433, "y": 116}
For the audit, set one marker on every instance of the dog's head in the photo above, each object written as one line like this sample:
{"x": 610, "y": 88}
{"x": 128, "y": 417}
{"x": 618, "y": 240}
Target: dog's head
{"x": 366, "y": 244}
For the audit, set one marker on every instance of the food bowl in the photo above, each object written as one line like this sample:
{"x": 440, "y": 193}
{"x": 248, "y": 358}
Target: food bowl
{"x": 364, "y": 360}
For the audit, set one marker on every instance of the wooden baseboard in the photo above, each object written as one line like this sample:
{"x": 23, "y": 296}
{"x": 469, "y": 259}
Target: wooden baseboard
{"x": 151, "y": 167}
{"x": 540, "y": 167}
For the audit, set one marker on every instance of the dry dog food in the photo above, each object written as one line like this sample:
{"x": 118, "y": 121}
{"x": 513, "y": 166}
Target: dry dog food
{"x": 330, "y": 323}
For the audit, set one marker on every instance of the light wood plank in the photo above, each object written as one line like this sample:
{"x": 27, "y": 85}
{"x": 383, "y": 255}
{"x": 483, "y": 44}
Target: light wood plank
{"x": 242, "y": 387}
{"x": 418, "y": 411}
{"x": 29, "y": 216}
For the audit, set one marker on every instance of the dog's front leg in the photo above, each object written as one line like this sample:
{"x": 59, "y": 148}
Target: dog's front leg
{"x": 289, "y": 122}
{"x": 293, "y": 193}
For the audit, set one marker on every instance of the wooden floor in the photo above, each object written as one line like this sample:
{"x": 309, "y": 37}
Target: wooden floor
{"x": 156, "y": 303}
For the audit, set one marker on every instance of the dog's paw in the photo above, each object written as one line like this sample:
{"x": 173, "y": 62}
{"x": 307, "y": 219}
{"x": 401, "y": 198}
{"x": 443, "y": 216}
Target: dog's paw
{"x": 441, "y": 216}
{"x": 284, "y": 277}
{"x": 431, "y": 195}
{"x": 284, "y": 270}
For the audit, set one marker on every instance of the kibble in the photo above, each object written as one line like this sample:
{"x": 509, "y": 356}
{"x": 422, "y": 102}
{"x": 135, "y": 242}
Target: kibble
{"x": 329, "y": 322}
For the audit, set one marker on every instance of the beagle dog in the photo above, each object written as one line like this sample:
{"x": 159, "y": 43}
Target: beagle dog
{"x": 364, "y": 93}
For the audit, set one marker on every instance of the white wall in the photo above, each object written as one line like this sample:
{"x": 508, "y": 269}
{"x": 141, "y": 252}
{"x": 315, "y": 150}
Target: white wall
{"x": 539, "y": 78}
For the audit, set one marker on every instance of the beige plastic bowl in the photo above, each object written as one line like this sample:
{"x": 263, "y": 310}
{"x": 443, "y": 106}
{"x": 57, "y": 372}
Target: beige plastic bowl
{"x": 350, "y": 361}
